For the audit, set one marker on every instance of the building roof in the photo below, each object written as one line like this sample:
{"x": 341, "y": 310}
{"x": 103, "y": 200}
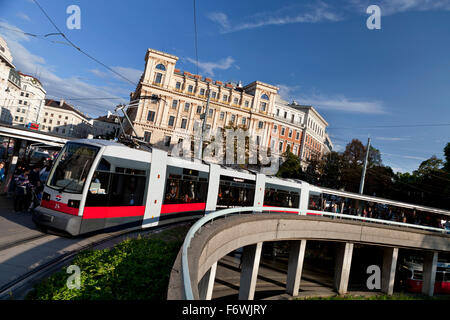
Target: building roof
{"x": 64, "y": 106}
{"x": 111, "y": 119}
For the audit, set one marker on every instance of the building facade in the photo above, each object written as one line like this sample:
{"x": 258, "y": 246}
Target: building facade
{"x": 105, "y": 125}
{"x": 61, "y": 118}
{"x": 168, "y": 104}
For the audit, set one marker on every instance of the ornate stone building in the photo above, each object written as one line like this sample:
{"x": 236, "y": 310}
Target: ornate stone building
{"x": 180, "y": 100}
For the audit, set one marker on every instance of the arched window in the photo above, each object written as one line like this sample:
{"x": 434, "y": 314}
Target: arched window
{"x": 265, "y": 97}
{"x": 161, "y": 67}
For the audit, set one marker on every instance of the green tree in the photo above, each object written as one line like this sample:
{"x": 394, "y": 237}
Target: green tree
{"x": 291, "y": 167}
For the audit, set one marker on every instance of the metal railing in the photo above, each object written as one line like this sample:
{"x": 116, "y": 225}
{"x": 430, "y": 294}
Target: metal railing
{"x": 221, "y": 213}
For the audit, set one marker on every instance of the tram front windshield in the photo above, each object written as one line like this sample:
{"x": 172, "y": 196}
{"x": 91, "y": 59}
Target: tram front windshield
{"x": 71, "y": 168}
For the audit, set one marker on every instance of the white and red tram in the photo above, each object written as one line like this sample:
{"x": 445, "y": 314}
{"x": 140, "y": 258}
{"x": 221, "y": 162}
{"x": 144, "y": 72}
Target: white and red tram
{"x": 98, "y": 185}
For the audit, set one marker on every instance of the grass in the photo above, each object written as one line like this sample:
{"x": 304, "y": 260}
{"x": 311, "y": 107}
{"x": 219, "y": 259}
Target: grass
{"x": 135, "y": 269}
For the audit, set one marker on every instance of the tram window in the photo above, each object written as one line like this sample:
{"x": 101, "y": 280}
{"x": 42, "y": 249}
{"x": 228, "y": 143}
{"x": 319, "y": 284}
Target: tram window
{"x": 439, "y": 276}
{"x": 127, "y": 190}
{"x": 314, "y": 201}
{"x": 116, "y": 189}
{"x": 186, "y": 190}
{"x": 236, "y": 193}
{"x": 104, "y": 165}
{"x": 98, "y": 194}
{"x": 281, "y": 198}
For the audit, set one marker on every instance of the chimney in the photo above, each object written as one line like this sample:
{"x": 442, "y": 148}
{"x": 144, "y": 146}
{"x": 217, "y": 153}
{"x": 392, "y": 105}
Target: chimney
{"x": 61, "y": 102}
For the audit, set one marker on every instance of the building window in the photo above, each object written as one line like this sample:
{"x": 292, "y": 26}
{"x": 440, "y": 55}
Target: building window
{"x": 190, "y": 89}
{"x": 283, "y": 130}
{"x": 213, "y": 95}
{"x": 21, "y": 94}
{"x": 202, "y": 92}
{"x": 21, "y": 119}
{"x": 225, "y": 98}
{"x": 258, "y": 140}
{"x": 211, "y": 112}
{"x": 233, "y": 118}
{"x": 158, "y": 77}
{"x": 174, "y": 104}
{"x": 147, "y": 136}
{"x": 243, "y": 120}
{"x": 260, "y": 124}
{"x": 236, "y": 101}
{"x": 186, "y": 106}
{"x": 285, "y": 114}
{"x": 290, "y": 133}
{"x": 281, "y": 146}
{"x": 222, "y": 115}
{"x": 161, "y": 67}
{"x": 64, "y": 118}
{"x": 297, "y": 136}
{"x": 278, "y": 112}
{"x": 265, "y": 97}
{"x": 263, "y": 106}
{"x": 178, "y": 85}
{"x": 246, "y": 103}
{"x": 20, "y": 101}
{"x": 150, "y": 116}
{"x": 275, "y": 128}
{"x": 167, "y": 141}
{"x": 183, "y": 123}
{"x": 292, "y": 118}
{"x": 199, "y": 109}
{"x": 171, "y": 121}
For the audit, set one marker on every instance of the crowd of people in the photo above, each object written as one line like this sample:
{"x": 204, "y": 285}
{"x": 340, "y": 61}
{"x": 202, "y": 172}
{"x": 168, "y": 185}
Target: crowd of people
{"x": 27, "y": 184}
{"x": 377, "y": 211}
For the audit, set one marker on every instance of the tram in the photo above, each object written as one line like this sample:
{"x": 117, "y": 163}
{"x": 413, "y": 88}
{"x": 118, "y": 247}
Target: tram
{"x": 411, "y": 274}
{"x": 98, "y": 185}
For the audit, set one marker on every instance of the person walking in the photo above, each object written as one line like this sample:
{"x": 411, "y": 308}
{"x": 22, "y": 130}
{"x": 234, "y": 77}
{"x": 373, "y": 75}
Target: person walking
{"x": 22, "y": 191}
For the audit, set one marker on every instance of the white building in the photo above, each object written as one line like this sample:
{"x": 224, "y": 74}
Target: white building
{"x": 61, "y": 118}
{"x": 105, "y": 125}
{"x": 5, "y": 66}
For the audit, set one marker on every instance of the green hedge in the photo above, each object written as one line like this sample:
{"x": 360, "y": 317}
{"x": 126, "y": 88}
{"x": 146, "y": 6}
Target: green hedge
{"x": 135, "y": 269}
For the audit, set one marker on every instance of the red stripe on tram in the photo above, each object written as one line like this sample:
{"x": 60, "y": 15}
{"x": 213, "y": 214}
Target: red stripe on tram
{"x": 113, "y": 212}
{"x": 182, "y": 207}
{"x": 279, "y": 210}
{"x": 59, "y": 206}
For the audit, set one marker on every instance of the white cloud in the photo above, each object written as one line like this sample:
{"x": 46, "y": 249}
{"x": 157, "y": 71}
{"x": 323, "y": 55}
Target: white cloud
{"x": 341, "y": 103}
{"x": 23, "y": 16}
{"x": 209, "y": 67}
{"x": 319, "y": 12}
{"x": 392, "y": 138}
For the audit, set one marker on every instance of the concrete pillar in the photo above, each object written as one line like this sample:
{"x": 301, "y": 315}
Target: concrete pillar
{"x": 295, "y": 266}
{"x": 249, "y": 272}
{"x": 206, "y": 285}
{"x": 388, "y": 273}
{"x": 429, "y": 272}
{"x": 342, "y": 266}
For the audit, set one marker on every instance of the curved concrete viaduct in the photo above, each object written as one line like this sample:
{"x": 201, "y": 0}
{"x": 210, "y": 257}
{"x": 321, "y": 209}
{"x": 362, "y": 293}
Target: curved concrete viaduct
{"x": 225, "y": 235}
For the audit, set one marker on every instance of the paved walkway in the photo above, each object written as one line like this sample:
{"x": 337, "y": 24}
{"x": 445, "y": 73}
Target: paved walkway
{"x": 17, "y": 260}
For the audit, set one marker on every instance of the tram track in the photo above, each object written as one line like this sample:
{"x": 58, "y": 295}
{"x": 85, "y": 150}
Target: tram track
{"x": 20, "y": 286}
{"x": 19, "y": 242}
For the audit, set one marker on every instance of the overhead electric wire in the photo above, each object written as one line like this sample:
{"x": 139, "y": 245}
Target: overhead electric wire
{"x": 195, "y": 35}
{"x": 78, "y": 48}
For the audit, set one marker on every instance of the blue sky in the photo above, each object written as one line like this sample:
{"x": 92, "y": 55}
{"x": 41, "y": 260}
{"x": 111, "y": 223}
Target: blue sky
{"x": 317, "y": 52}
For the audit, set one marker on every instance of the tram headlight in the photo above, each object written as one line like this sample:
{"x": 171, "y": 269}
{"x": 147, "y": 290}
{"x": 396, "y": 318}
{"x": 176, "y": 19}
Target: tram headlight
{"x": 73, "y": 203}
